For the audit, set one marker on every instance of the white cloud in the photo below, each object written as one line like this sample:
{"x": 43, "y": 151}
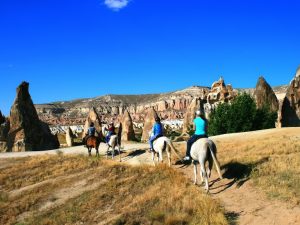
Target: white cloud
{"x": 116, "y": 4}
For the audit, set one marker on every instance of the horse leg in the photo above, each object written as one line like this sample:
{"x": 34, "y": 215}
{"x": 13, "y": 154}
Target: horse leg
{"x": 161, "y": 156}
{"x": 210, "y": 165}
{"x": 107, "y": 152}
{"x": 203, "y": 171}
{"x": 119, "y": 149}
{"x": 153, "y": 158}
{"x": 89, "y": 150}
{"x": 169, "y": 155}
{"x": 157, "y": 155}
{"x": 195, "y": 172}
{"x": 113, "y": 152}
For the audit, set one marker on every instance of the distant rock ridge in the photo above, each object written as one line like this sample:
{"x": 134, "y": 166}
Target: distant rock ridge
{"x": 26, "y": 131}
{"x": 169, "y": 106}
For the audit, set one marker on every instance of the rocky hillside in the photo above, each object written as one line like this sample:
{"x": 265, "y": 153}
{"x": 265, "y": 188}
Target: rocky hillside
{"x": 170, "y": 105}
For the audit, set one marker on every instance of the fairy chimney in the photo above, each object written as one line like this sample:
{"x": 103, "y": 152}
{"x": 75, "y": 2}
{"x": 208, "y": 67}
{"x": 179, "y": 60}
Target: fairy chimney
{"x": 148, "y": 124}
{"x": 92, "y": 117}
{"x": 27, "y": 132}
{"x": 69, "y": 137}
{"x": 127, "y": 127}
{"x": 265, "y": 96}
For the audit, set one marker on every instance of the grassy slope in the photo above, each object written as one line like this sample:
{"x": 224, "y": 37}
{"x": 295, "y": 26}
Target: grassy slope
{"x": 122, "y": 194}
{"x": 271, "y": 159}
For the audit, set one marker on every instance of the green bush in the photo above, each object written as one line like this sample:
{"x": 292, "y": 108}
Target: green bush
{"x": 239, "y": 116}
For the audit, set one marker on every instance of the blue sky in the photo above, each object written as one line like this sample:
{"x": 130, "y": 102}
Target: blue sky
{"x": 70, "y": 49}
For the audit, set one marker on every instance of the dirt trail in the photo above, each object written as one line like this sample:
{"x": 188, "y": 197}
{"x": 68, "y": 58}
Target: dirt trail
{"x": 244, "y": 204}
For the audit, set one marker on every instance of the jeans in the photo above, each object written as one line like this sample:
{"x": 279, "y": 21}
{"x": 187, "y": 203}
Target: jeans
{"x": 191, "y": 141}
{"x": 107, "y": 138}
{"x": 152, "y": 139}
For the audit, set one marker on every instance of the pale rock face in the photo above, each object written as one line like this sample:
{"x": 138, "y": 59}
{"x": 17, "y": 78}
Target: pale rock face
{"x": 26, "y": 131}
{"x": 127, "y": 127}
{"x": 162, "y": 106}
{"x": 190, "y": 114}
{"x": 220, "y": 92}
{"x": 92, "y": 117}
{"x": 69, "y": 137}
{"x": 148, "y": 124}
{"x": 290, "y": 112}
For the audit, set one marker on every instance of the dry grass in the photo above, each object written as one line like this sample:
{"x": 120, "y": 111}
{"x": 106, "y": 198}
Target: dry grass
{"x": 272, "y": 160}
{"x": 123, "y": 194}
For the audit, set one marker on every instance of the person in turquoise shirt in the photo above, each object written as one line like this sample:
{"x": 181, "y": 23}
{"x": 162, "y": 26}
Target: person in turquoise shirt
{"x": 200, "y": 124}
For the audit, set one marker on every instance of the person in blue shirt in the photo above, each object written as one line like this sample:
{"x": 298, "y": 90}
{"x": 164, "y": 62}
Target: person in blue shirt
{"x": 200, "y": 125}
{"x": 90, "y": 132}
{"x": 157, "y": 131}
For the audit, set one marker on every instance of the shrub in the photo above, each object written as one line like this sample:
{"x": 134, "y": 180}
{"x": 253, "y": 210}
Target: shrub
{"x": 239, "y": 116}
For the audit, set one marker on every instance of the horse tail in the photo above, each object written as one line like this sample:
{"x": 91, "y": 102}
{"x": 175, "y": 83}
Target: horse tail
{"x": 177, "y": 153}
{"x": 212, "y": 147}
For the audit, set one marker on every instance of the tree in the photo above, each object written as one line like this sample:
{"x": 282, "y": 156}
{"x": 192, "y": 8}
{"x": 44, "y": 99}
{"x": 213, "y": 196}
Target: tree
{"x": 239, "y": 116}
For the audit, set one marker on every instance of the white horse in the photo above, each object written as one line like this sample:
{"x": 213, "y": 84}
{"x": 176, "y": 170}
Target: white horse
{"x": 113, "y": 143}
{"x": 202, "y": 151}
{"x": 161, "y": 144}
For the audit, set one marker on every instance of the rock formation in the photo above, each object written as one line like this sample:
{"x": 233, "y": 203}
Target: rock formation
{"x": 26, "y": 131}
{"x": 92, "y": 117}
{"x": 69, "y": 137}
{"x": 2, "y": 118}
{"x": 290, "y": 112}
{"x": 4, "y": 129}
{"x": 190, "y": 114}
{"x": 265, "y": 96}
{"x": 220, "y": 92}
{"x": 148, "y": 124}
{"x": 127, "y": 127}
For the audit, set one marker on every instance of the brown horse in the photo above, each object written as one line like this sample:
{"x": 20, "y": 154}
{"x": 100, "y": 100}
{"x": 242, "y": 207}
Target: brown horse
{"x": 93, "y": 142}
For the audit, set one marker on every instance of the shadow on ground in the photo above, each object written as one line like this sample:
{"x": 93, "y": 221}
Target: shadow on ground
{"x": 238, "y": 173}
{"x": 134, "y": 153}
{"x": 232, "y": 217}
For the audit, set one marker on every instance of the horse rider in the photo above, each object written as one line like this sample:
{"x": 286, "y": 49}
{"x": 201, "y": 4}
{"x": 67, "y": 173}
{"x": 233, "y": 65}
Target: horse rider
{"x": 90, "y": 132}
{"x": 157, "y": 131}
{"x": 200, "y": 125}
{"x": 111, "y": 131}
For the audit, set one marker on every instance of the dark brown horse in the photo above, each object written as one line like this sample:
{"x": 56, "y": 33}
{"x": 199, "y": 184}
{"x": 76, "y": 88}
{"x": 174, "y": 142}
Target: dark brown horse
{"x": 94, "y": 142}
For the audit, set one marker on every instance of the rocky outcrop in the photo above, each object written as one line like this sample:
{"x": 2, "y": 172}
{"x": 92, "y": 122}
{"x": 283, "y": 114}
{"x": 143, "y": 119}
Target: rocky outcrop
{"x": 4, "y": 129}
{"x": 26, "y": 131}
{"x": 220, "y": 92}
{"x": 127, "y": 127}
{"x": 190, "y": 114}
{"x": 170, "y": 105}
{"x": 148, "y": 124}
{"x": 265, "y": 96}
{"x": 290, "y": 112}
{"x": 92, "y": 117}
{"x": 69, "y": 137}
